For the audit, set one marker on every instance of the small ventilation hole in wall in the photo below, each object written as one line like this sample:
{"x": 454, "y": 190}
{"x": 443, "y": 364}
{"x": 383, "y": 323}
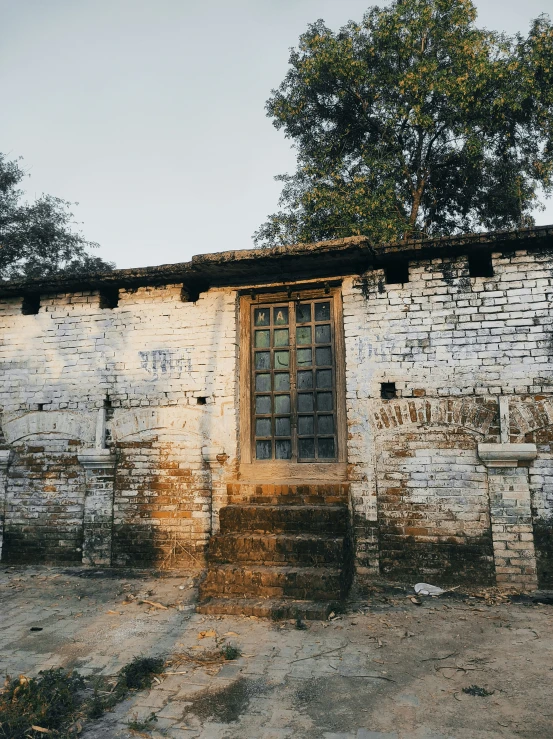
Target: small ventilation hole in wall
{"x": 201, "y": 401}
{"x": 31, "y": 304}
{"x": 480, "y": 264}
{"x": 40, "y": 406}
{"x": 388, "y": 390}
{"x": 109, "y": 298}
{"x": 396, "y": 273}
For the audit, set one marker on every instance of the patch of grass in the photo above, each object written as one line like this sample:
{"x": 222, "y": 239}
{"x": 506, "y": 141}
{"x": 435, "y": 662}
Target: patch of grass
{"x": 477, "y": 690}
{"x": 230, "y": 652}
{"x": 142, "y": 725}
{"x": 61, "y": 701}
{"x": 139, "y": 673}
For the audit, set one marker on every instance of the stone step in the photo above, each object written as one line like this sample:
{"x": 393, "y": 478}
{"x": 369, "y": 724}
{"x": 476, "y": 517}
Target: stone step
{"x": 326, "y": 519}
{"x": 250, "y": 581}
{"x": 288, "y": 494}
{"x": 273, "y": 608}
{"x": 277, "y": 549}
{"x": 293, "y": 500}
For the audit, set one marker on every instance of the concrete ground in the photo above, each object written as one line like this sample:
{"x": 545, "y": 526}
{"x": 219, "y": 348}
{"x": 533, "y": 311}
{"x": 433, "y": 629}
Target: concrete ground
{"x": 388, "y": 669}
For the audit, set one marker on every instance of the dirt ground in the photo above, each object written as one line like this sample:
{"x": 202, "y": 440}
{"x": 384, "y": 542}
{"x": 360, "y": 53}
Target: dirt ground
{"x": 454, "y": 667}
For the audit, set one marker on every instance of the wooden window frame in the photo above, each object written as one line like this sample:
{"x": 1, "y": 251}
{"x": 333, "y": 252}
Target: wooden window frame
{"x": 284, "y": 470}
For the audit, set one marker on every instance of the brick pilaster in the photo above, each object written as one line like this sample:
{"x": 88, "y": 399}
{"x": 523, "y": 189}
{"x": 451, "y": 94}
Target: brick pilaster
{"x": 215, "y": 459}
{"x": 4, "y": 461}
{"x": 99, "y": 467}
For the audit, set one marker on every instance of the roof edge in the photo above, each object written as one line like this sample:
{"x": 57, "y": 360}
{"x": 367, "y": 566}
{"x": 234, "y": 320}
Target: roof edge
{"x": 348, "y": 255}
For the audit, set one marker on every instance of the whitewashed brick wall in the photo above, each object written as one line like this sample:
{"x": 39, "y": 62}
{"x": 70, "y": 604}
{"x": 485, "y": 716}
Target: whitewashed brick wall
{"x": 451, "y": 343}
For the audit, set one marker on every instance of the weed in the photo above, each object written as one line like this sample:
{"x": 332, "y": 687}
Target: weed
{"x": 477, "y": 690}
{"x": 60, "y": 701}
{"x": 50, "y": 701}
{"x": 229, "y": 652}
{"x": 140, "y": 672}
{"x": 142, "y": 725}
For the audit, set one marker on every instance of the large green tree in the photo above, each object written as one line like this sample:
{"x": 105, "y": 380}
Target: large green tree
{"x": 38, "y": 239}
{"x": 413, "y": 122}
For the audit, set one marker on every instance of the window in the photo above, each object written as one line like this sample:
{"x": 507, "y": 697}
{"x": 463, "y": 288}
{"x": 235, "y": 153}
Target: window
{"x": 295, "y": 379}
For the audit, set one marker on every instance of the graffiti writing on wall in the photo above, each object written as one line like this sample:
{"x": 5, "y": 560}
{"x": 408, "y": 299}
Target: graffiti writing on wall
{"x": 174, "y": 362}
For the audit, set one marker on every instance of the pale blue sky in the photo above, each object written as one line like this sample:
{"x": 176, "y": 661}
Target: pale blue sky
{"x": 150, "y": 113}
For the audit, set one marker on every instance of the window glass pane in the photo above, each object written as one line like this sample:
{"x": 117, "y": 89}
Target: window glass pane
{"x": 303, "y": 313}
{"x": 324, "y": 402}
{"x": 322, "y": 334}
{"x": 326, "y": 448}
{"x": 323, "y": 355}
{"x": 280, "y": 316}
{"x": 263, "y": 449}
{"x": 276, "y": 433}
{"x": 263, "y": 360}
{"x": 306, "y": 448}
{"x": 305, "y": 402}
{"x": 303, "y": 335}
{"x": 262, "y": 317}
{"x": 262, "y": 426}
{"x": 325, "y": 424}
{"x": 305, "y": 380}
{"x": 263, "y": 404}
{"x": 322, "y": 311}
{"x": 324, "y": 378}
{"x": 282, "y": 381}
{"x": 305, "y": 425}
{"x": 282, "y": 359}
{"x": 282, "y": 404}
{"x": 281, "y": 337}
{"x": 263, "y": 339}
{"x": 305, "y": 357}
{"x": 282, "y": 426}
{"x": 263, "y": 383}
{"x": 283, "y": 448}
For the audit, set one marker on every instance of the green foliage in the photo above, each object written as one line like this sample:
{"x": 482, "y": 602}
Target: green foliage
{"x": 37, "y": 239}
{"x": 136, "y": 724}
{"x": 140, "y": 672}
{"x": 413, "y": 122}
{"x": 62, "y": 701}
{"x": 49, "y": 701}
{"x": 230, "y": 652}
{"x": 477, "y": 690}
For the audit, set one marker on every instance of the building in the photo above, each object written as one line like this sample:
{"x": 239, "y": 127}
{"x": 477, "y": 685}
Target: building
{"x": 334, "y": 407}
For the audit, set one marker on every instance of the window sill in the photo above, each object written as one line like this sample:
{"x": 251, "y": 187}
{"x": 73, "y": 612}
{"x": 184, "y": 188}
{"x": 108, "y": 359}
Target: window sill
{"x": 296, "y": 473}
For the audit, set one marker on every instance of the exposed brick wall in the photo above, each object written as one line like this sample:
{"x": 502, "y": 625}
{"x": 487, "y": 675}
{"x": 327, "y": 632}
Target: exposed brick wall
{"x": 44, "y": 511}
{"x": 445, "y": 335}
{"x": 152, "y": 357}
{"x": 433, "y": 508}
{"x": 450, "y": 343}
{"x": 161, "y": 509}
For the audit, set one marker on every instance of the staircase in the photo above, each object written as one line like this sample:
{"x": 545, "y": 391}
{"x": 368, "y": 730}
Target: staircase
{"x": 282, "y": 552}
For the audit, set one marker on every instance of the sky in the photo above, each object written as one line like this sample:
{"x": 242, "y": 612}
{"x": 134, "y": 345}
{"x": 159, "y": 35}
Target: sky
{"x": 151, "y": 113}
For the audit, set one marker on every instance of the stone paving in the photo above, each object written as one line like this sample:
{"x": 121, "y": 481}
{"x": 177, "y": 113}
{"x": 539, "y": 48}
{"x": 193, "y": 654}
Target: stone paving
{"x": 388, "y": 669}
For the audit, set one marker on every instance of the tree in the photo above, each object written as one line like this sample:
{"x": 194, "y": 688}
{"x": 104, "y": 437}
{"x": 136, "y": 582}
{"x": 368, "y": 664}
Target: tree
{"x": 37, "y": 239}
{"x": 413, "y": 122}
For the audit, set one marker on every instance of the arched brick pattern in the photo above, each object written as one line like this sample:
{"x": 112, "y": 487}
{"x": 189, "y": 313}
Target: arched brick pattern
{"x": 433, "y": 512}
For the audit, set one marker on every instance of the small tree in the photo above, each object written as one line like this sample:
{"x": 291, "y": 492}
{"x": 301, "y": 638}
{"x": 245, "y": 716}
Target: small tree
{"x": 37, "y": 239}
{"x": 413, "y": 122}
